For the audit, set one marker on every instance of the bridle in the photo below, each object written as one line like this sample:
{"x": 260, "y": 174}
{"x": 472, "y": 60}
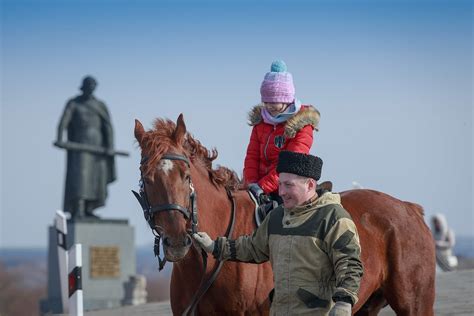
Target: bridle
{"x": 149, "y": 211}
{"x": 189, "y": 213}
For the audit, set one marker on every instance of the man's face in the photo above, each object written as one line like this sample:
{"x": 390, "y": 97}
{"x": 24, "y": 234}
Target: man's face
{"x": 295, "y": 190}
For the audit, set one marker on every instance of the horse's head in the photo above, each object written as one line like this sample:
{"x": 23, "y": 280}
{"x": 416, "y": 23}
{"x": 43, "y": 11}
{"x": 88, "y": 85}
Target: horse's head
{"x": 167, "y": 189}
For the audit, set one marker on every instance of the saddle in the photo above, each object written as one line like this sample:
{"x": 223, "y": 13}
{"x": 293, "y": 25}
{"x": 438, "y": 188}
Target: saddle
{"x": 263, "y": 209}
{"x": 324, "y": 187}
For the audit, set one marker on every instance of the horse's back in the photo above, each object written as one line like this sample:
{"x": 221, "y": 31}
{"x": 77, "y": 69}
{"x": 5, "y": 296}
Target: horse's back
{"x": 373, "y": 210}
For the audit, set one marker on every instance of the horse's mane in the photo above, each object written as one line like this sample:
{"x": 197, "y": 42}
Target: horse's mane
{"x": 158, "y": 141}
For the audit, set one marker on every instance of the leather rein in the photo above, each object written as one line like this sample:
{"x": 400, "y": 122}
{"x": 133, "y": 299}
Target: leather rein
{"x": 189, "y": 213}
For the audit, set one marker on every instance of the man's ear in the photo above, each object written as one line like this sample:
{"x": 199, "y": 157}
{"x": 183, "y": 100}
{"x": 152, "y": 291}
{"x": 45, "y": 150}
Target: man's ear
{"x": 312, "y": 184}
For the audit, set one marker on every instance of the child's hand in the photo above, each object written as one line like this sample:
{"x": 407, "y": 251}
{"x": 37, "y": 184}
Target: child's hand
{"x": 257, "y": 192}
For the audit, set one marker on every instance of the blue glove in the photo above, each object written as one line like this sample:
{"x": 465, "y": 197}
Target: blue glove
{"x": 257, "y": 192}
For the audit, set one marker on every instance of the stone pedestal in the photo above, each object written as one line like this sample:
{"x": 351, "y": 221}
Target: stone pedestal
{"x": 108, "y": 256}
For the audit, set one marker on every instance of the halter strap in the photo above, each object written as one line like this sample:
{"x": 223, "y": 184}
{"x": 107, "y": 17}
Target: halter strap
{"x": 150, "y": 211}
{"x": 177, "y": 157}
{"x": 169, "y": 207}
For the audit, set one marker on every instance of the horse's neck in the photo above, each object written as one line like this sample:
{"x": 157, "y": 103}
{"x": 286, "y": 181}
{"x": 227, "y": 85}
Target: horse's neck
{"x": 214, "y": 210}
{"x": 215, "y": 207}
{"x": 216, "y": 214}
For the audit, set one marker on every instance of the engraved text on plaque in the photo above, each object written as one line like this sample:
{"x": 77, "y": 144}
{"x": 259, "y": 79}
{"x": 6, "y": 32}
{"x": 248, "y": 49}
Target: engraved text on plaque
{"x": 104, "y": 262}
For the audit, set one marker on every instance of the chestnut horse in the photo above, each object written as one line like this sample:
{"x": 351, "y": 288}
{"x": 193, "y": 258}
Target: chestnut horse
{"x": 397, "y": 248}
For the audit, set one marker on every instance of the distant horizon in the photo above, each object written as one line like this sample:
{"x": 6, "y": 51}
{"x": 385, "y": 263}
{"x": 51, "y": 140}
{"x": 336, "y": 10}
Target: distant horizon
{"x": 464, "y": 239}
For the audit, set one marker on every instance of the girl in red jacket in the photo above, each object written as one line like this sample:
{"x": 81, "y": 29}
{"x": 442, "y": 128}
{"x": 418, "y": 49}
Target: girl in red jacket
{"x": 279, "y": 123}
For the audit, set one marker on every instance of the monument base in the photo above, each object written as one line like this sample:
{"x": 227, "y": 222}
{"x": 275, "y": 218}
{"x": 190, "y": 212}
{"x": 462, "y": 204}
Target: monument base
{"x": 108, "y": 262}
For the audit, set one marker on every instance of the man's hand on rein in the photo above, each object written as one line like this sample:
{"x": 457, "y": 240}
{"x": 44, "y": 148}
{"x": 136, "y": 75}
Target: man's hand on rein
{"x": 204, "y": 241}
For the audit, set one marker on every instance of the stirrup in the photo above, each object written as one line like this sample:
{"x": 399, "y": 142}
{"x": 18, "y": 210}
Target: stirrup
{"x": 265, "y": 209}
{"x": 262, "y": 210}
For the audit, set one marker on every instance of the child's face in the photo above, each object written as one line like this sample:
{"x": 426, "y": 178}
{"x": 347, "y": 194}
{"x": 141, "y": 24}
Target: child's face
{"x": 275, "y": 108}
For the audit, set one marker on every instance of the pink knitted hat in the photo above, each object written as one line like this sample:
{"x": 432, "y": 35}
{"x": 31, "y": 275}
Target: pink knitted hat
{"x": 277, "y": 86}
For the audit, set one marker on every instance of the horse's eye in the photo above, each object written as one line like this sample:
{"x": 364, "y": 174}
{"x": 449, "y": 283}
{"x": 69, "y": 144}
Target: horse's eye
{"x": 147, "y": 181}
{"x": 187, "y": 178}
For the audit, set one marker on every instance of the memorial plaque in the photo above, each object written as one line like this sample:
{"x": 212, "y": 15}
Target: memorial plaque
{"x": 104, "y": 262}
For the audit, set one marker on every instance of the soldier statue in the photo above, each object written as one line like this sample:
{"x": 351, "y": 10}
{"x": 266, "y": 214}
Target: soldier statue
{"x": 90, "y": 152}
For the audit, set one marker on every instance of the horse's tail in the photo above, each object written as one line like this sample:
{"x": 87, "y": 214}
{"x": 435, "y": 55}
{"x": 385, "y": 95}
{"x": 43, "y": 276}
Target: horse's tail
{"x": 416, "y": 207}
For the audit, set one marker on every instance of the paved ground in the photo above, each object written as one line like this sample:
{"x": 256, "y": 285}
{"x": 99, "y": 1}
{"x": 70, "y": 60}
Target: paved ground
{"x": 454, "y": 296}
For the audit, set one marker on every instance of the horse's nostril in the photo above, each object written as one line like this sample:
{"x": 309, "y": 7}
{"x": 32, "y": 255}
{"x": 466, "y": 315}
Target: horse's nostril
{"x": 185, "y": 242}
{"x": 166, "y": 242}
{"x": 188, "y": 240}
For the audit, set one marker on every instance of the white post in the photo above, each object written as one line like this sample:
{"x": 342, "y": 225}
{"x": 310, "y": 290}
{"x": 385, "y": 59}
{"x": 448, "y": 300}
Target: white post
{"x": 75, "y": 281}
{"x": 61, "y": 233}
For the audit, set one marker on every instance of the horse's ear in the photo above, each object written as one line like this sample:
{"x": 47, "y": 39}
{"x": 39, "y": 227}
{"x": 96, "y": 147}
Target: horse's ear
{"x": 139, "y": 131}
{"x": 180, "y": 130}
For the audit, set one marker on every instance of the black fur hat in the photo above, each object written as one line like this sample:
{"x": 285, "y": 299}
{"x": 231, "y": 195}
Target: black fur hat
{"x": 304, "y": 165}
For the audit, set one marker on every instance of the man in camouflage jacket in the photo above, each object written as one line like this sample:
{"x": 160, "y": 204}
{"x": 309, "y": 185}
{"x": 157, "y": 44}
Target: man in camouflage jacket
{"x": 311, "y": 242}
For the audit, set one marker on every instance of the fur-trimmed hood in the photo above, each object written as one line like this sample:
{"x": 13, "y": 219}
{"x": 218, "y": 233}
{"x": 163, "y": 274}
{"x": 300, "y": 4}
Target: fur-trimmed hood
{"x": 307, "y": 115}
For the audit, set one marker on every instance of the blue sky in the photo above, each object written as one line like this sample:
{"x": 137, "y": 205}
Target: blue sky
{"x": 392, "y": 79}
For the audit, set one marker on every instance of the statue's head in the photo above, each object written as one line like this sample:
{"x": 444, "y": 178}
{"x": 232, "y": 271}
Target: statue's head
{"x": 88, "y": 85}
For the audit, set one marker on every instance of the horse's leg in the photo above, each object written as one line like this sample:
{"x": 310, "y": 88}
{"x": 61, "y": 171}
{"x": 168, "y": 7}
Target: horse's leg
{"x": 373, "y": 305}
{"x": 410, "y": 286}
{"x": 263, "y": 309}
{"x": 411, "y": 294}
